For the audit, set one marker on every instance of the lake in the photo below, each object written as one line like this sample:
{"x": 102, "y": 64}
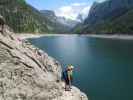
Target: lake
{"x": 103, "y": 67}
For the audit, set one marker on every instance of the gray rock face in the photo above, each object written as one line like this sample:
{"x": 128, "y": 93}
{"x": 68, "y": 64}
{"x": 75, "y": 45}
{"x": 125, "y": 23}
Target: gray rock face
{"x": 24, "y": 75}
{"x": 101, "y": 11}
{"x": 67, "y": 22}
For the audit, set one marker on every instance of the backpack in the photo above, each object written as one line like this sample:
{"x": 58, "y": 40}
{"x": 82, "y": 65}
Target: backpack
{"x": 64, "y": 75}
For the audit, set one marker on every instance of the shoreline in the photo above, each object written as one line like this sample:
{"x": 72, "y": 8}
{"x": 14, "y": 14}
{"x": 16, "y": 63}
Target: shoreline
{"x": 116, "y": 36}
{"x": 28, "y": 35}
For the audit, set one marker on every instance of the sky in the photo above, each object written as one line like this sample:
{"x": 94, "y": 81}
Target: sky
{"x": 66, "y": 8}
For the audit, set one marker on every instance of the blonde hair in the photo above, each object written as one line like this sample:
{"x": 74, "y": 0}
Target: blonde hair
{"x": 70, "y": 66}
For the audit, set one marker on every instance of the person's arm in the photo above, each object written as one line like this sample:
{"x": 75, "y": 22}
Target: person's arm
{"x": 69, "y": 77}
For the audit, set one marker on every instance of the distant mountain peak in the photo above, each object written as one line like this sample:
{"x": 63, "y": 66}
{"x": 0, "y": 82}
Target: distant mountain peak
{"x": 80, "y": 18}
{"x": 109, "y": 16}
{"x": 62, "y": 20}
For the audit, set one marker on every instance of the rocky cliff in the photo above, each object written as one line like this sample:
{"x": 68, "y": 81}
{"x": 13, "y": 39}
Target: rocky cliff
{"x": 25, "y": 75}
{"x": 104, "y": 10}
{"x": 110, "y": 16}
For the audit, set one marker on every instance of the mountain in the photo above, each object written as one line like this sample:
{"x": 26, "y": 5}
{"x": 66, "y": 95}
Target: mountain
{"x": 67, "y": 22}
{"x": 80, "y": 18}
{"x": 120, "y": 25}
{"x": 60, "y": 23}
{"x": 22, "y": 17}
{"x": 111, "y": 16}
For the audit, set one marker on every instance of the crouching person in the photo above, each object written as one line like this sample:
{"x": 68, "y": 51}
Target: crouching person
{"x": 67, "y": 76}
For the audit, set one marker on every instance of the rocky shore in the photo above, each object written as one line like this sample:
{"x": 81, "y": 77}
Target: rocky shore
{"x": 25, "y": 75}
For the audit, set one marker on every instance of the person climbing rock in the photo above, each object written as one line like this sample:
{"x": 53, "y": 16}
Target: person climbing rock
{"x": 68, "y": 77}
{"x": 2, "y": 23}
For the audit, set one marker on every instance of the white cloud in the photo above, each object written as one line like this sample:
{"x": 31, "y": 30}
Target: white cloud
{"x": 73, "y": 10}
{"x": 66, "y": 11}
{"x": 78, "y": 4}
{"x": 100, "y": 0}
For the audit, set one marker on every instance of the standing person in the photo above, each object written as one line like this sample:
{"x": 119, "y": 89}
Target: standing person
{"x": 68, "y": 77}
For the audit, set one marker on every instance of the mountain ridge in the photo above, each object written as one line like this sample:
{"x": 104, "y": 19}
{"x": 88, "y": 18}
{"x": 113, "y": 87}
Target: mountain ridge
{"x": 102, "y": 16}
{"x": 59, "y": 20}
{"x": 22, "y": 17}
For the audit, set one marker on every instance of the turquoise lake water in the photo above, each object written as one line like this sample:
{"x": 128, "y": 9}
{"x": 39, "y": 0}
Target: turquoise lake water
{"x": 103, "y": 67}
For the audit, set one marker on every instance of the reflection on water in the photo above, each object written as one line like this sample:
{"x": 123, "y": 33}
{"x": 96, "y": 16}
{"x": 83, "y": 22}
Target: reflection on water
{"x": 103, "y": 66}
